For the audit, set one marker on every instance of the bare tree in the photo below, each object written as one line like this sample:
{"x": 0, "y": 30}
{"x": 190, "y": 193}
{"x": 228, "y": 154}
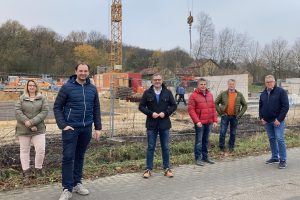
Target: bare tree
{"x": 296, "y": 55}
{"x": 277, "y": 56}
{"x": 231, "y": 46}
{"x": 203, "y": 47}
{"x": 97, "y": 40}
{"x": 78, "y": 37}
{"x": 253, "y": 61}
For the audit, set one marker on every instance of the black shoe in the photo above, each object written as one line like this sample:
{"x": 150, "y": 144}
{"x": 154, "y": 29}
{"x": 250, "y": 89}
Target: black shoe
{"x": 199, "y": 163}
{"x": 222, "y": 149}
{"x": 231, "y": 150}
{"x": 208, "y": 161}
{"x": 282, "y": 164}
{"x": 272, "y": 161}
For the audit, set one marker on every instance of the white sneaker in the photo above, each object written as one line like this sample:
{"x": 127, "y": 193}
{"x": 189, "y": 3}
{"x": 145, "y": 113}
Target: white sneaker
{"x": 80, "y": 189}
{"x": 65, "y": 195}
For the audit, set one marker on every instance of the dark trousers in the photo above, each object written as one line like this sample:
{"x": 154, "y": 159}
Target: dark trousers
{"x": 201, "y": 141}
{"x": 181, "y": 97}
{"x": 75, "y": 143}
{"x": 225, "y": 121}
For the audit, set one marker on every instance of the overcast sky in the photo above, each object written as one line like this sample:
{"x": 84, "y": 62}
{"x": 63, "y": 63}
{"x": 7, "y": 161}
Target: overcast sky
{"x": 160, "y": 24}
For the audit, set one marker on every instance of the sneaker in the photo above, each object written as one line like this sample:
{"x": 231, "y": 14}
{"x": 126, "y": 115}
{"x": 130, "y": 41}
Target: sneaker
{"x": 65, "y": 195}
{"x": 168, "y": 173}
{"x": 208, "y": 161}
{"x": 80, "y": 189}
{"x": 282, "y": 164}
{"x": 147, "y": 173}
{"x": 272, "y": 161}
{"x": 199, "y": 163}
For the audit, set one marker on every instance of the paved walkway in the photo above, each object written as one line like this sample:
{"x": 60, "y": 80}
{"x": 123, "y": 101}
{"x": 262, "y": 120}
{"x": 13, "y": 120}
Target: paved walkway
{"x": 241, "y": 179}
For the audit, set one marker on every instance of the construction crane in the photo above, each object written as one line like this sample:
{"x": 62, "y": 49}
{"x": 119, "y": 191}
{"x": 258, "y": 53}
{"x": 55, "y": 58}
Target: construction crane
{"x": 190, "y": 21}
{"x": 116, "y": 36}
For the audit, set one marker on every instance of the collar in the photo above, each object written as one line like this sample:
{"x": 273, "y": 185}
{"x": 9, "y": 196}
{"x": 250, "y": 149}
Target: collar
{"x": 157, "y": 91}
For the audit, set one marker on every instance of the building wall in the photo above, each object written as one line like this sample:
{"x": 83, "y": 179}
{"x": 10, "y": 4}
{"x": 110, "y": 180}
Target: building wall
{"x": 217, "y": 84}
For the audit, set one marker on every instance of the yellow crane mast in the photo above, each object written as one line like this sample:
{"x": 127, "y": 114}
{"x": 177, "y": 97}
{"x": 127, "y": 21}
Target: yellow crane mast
{"x": 116, "y": 36}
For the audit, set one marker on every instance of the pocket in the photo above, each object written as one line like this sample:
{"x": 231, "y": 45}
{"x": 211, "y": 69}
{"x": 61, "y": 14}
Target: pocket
{"x": 68, "y": 134}
{"x": 150, "y": 99}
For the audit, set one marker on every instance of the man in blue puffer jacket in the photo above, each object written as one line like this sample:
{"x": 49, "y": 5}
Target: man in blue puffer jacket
{"x": 76, "y": 108}
{"x": 273, "y": 107}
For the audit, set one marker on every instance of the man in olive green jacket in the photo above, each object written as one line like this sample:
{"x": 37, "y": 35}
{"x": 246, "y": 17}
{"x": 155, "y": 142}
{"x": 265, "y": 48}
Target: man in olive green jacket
{"x": 230, "y": 105}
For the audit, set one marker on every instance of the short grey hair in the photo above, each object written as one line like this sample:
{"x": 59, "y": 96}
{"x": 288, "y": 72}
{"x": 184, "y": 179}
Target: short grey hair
{"x": 157, "y": 74}
{"x": 201, "y": 79}
{"x": 270, "y": 77}
{"x": 231, "y": 80}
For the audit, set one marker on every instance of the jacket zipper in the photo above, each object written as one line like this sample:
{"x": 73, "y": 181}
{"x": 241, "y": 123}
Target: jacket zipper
{"x": 84, "y": 105}
{"x": 69, "y": 114}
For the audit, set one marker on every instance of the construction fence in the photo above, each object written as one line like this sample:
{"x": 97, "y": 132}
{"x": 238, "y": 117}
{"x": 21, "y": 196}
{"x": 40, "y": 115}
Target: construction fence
{"x": 121, "y": 117}
{"x": 122, "y": 121}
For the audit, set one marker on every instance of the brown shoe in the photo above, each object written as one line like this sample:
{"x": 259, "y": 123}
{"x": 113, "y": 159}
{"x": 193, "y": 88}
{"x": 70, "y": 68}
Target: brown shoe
{"x": 147, "y": 173}
{"x": 168, "y": 173}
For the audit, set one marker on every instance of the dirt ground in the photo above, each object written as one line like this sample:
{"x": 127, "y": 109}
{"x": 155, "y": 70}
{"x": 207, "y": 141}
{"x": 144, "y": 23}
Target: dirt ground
{"x": 9, "y": 96}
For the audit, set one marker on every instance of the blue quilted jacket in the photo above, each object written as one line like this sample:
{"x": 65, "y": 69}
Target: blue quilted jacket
{"x": 77, "y": 105}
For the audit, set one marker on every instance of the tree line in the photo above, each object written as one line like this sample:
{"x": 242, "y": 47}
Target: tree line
{"x": 236, "y": 50}
{"x": 40, "y": 50}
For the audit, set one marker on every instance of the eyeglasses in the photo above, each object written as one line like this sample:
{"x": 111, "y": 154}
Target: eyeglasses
{"x": 269, "y": 81}
{"x": 156, "y": 79}
{"x": 31, "y": 85}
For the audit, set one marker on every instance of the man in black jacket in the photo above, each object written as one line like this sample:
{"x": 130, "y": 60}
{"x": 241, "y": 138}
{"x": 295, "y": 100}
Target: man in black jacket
{"x": 273, "y": 107}
{"x": 158, "y": 104}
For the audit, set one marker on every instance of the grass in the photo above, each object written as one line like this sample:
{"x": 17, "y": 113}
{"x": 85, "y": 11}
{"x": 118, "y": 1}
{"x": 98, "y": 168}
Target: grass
{"x": 109, "y": 160}
{"x": 255, "y": 88}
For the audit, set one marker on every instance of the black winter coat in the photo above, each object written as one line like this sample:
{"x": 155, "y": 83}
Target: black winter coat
{"x": 149, "y": 105}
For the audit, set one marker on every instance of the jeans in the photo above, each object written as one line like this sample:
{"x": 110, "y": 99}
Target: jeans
{"x": 225, "y": 121}
{"x": 276, "y": 139}
{"x": 201, "y": 141}
{"x": 164, "y": 142}
{"x": 75, "y": 143}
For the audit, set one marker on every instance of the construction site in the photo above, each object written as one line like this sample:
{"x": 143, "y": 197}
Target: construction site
{"x": 119, "y": 95}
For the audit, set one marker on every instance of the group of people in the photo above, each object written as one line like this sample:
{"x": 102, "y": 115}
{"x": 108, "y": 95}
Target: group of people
{"x": 158, "y": 104}
{"x": 77, "y": 108}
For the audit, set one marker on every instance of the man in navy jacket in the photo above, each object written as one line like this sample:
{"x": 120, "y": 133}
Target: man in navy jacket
{"x": 76, "y": 108}
{"x": 273, "y": 107}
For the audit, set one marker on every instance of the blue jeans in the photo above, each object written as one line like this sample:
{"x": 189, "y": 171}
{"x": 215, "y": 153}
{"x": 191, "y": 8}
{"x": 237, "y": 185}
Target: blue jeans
{"x": 276, "y": 139}
{"x": 201, "y": 141}
{"x": 75, "y": 143}
{"x": 164, "y": 142}
{"x": 225, "y": 121}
